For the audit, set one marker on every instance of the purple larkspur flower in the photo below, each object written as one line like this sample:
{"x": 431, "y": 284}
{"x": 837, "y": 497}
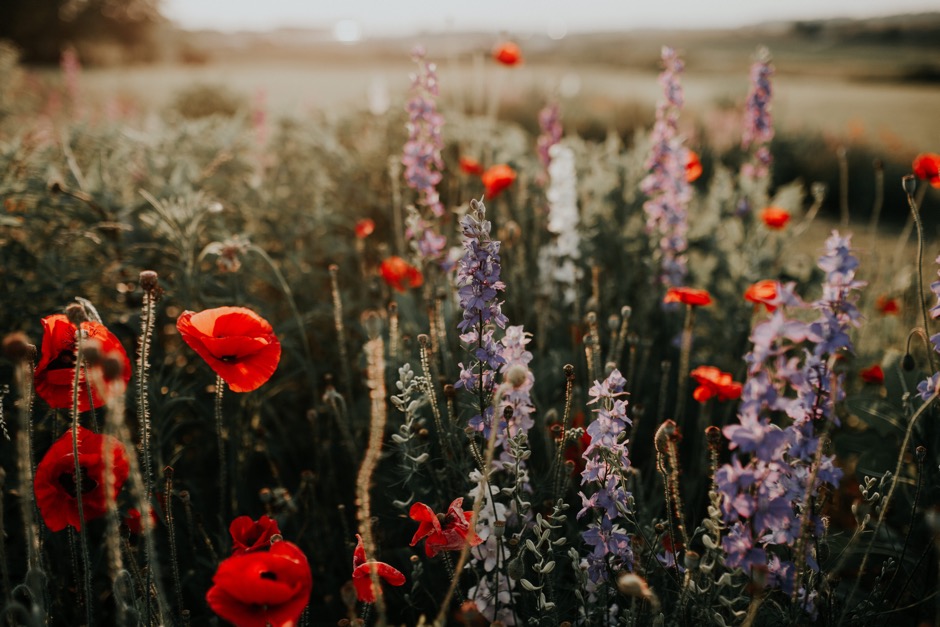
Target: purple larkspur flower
{"x": 667, "y": 190}
{"x": 758, "y": 121}
{"x": 603, "y": 494}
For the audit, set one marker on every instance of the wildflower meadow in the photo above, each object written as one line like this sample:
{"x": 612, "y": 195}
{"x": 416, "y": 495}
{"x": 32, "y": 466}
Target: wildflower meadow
{"x": 427, "y": 367}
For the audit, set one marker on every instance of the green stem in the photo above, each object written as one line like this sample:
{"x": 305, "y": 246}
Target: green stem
{"x": 83, "y": 530}
{"x": 220, "y": 437}
{"x": 915, "y": 214}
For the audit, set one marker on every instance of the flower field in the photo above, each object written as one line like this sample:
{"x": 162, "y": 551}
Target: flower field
{"x": 424, "y": 366}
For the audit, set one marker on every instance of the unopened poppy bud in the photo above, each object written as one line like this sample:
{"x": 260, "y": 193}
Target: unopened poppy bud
{"x": 692, "y": 560}
{"x": 516, "y": 375}
{"x": 713, "y": 436}
{"x": 569, "y": 372}
{"x": 921, "y": 452}
{"x": 423, "y": 433}
{"x": 907, "y": 362}
{"x": 450, "y": 392}
{"x": 632, "y": 585}
{"x": 76, "y": 314}
{"x": 909, "y": 183}
{"x": 613, "y": 323}
{"x": 91, "y": 350}
{"x": 424, "y": 340}
{"x": 149, "y": 280}
{"x": 16, "y": 346}
{"x": 112, "y": 366}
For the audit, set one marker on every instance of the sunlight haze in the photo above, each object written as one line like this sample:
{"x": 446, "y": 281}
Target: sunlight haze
{"x": 404, "y": 17}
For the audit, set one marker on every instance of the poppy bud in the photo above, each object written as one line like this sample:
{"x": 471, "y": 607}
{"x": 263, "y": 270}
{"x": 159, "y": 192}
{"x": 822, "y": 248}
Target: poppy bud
{"x": 908, "y": 362}
{"x": 112, "y": 366}
{"x": 76, "y": 314}
{"x": 16, "y": 346}
{"x": 909, "y": 183}
{"x": 149, "y": 280}
{"x": 569, "y": 372}
{"x": 499, "y": 528}
{"x": 921, "y": 452}
{"x": 713, "y": 436}
{"x": 450, "y": 392}
{"x": 92, "y": 352}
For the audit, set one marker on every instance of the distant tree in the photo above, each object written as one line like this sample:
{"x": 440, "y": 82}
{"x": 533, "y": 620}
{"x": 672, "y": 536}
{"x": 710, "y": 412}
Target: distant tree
{"x": 42, "y": 28}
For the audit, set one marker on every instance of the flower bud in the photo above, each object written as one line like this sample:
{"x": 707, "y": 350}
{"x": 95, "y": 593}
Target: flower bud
{"x": 909, "y": 183}
{"x": 16, "y": 346}
{"x": 149, "y": 280}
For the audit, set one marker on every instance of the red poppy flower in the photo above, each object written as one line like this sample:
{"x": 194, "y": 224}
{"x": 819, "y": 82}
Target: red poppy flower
{"x": 364, "y": 228}
{"x": 262, "y": 588}
{"x": 927, "y": 167}
{"x": 693, "y": 166}
{"x": 872, "y": 374}
{"x": 508, "y": 53}
{"x": 55, "y": 487}
{"x": 444, "y": 532}
{"x": 399, "y": 274}
{"x": 775, "y": 218}
{"x": 134, "y": 521}
{"x": 688, "y": 296}
{"x": 887, "y": 306}
{"x": 249, "y": 535}
{"x": 713, "y": 382}
{"x": 497, "y": 178}
{"x": 469, "y": 165}
{"x": 238, "y": 344}
{"x": 362, "y": 574}
{"x": 763, "y": 292}
{"x": 55, "y": 372}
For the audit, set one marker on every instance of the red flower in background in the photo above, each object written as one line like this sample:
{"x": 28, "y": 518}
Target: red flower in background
{"x": 688, "y": 296}
{"x": 364, "y": 228}
{"x": 887, "y": 306}
{"x": 508, "y": 53}
{"x": 469, "y": 165}
{"x": 713, "y": 382}
{"x": 693, "y": 166}
{"x": 873, "y": 374}
{"x": 399, "y": 274}
{"x": 238, "y": 344}
{"x": 262, "y": 588}
{"x": 775, "y": 218}
{"x": 134, "y": 521}
{"x": 447, "y": 532}
{"x": 763, "y": 292}
{"x": 249, "y": 535}
{"x": 55, "y": 372}
{"x": 362, "y": 574}
{"x": 927, "y": 167}
{"x": 55, "y": 486}
{"x": 497, "y": 178}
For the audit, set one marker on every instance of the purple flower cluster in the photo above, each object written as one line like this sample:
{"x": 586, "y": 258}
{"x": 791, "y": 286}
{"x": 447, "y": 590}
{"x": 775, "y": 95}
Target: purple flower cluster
{"x": 422, "y": 155}
{"x": 517, "y": 380}
{"x": 666, "y": 186}
{"x": 478, "y": 286}
{"x": 550, "y": 125}
{"x": 790, "y": 380}
{"x": 606, "y": 460}
{"x": 758, "y": 122}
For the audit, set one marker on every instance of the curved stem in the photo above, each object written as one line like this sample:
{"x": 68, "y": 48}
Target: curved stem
{"x": 915, "y": 214}
{"x": 887, "y": 500}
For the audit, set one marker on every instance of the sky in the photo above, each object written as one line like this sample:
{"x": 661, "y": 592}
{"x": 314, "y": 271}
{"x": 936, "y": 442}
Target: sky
{"x": 405, "y": 17}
